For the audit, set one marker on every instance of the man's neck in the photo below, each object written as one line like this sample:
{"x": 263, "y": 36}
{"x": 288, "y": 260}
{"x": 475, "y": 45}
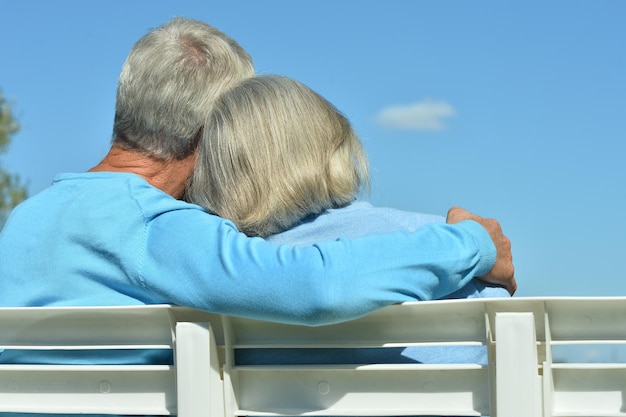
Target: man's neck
{"x": 168, "y": 176}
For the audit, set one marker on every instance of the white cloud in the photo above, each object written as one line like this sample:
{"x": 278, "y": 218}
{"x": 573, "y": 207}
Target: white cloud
{"x": 423, "y": 115}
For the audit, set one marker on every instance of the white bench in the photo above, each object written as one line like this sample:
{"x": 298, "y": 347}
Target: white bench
{"x": 521, "y": 378}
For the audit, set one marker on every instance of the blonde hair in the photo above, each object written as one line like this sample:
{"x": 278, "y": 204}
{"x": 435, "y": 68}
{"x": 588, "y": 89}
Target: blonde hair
{"x": 168, "y": 83}
{"x": 273, "y": 152}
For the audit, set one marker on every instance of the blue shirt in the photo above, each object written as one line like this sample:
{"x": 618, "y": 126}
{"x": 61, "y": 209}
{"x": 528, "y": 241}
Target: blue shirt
{"x": 112, "y": 239}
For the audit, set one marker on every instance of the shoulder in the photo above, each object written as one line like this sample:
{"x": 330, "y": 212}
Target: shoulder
{"x": 357, "y": 219}
{"x": 388, "y": 217}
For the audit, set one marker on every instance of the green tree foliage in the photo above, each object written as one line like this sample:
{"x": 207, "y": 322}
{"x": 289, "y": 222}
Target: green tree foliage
{"x": 12, "y": 191}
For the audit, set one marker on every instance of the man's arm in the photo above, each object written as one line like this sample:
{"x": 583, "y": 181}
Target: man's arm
{"x": 202, "y": 261}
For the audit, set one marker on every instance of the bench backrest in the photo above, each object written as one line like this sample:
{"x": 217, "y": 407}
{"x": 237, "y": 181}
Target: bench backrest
{"x": 221, "y": 365}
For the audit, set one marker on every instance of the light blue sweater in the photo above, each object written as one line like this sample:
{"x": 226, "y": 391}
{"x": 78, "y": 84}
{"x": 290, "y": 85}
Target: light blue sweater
{"x": 112, "y": 239}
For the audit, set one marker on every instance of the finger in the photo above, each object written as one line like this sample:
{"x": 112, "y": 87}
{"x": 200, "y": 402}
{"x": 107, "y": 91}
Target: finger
{"x": 512, "y": 287}
{"x": 456, "y": 214}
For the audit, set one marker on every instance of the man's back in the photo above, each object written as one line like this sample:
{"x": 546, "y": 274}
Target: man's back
{"x": 78, "y": 242}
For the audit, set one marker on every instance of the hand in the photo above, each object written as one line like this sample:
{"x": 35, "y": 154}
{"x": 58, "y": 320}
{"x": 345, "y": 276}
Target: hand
{"x": 503, "y": 271}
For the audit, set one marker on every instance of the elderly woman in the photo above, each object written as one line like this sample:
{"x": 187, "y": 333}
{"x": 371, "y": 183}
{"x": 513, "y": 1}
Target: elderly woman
{"x": 284, "y": 164}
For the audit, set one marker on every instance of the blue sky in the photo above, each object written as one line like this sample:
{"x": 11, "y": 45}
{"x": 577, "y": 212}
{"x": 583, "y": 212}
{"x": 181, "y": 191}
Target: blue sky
{"x": 514, "y": 110}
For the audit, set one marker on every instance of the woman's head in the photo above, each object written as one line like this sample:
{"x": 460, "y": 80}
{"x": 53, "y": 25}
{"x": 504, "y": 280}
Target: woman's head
{"x": 273, "y": 152}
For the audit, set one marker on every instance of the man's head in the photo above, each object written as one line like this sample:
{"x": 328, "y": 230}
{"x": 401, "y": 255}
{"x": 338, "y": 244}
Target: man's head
{"x": 168, "y": 84}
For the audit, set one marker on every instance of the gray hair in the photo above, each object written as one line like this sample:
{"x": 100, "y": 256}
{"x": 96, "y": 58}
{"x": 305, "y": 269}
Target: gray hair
{"x": 274, "y": 152}
{"x": 168, "y": 84}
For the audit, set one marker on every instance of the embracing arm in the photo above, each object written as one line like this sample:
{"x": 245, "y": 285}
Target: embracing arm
{"x": 204, "y": 262}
